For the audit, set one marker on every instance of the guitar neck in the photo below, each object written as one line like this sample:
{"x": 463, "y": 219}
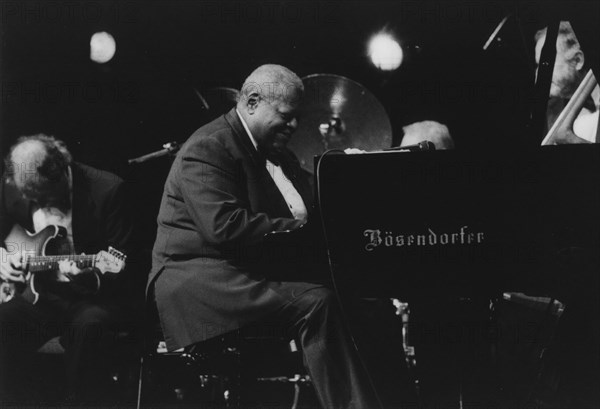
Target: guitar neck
{"x": 42, "y": 263}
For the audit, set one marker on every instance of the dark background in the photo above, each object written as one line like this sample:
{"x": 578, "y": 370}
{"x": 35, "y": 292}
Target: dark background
{"x": 144, "y": 96}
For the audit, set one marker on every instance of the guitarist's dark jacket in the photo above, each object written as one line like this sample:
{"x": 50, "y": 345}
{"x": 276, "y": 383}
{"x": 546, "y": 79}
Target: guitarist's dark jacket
{"x": 218, "y": 202}
{"x": 100, "y": 218}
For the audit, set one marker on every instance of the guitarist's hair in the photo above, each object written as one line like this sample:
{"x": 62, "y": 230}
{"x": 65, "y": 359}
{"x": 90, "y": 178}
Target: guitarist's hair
{"x": 50, "y": 166}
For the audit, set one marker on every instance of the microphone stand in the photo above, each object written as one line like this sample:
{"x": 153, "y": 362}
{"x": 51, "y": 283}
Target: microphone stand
{"x": 169, "y": 148}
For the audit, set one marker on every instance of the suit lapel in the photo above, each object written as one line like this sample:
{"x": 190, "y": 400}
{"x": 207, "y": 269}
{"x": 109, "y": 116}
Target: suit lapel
{"x": 243, "y": 138}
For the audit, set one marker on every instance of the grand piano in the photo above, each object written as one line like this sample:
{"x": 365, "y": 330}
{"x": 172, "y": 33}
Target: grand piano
{"x": 400, "y": 224}
{"x": 446, "y": 230}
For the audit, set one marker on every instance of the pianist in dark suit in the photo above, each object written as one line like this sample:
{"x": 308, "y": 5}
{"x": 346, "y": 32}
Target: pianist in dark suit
{"x": 232, "y": 182}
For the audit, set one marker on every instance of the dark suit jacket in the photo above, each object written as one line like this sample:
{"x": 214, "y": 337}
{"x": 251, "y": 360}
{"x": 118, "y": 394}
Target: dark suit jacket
{"x": 100, "y": 217}
{"x": 218, "y": 202}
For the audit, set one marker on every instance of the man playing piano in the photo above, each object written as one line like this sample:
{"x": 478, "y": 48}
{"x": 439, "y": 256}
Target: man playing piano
{"x": 233, "y": 181}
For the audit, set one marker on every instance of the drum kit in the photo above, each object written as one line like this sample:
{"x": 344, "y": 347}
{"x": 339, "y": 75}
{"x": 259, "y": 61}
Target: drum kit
{"x": 335, "y": 113}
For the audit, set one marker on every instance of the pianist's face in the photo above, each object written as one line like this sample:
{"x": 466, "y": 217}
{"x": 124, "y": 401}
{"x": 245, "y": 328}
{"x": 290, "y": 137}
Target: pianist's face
{"x": 274, "y": 122}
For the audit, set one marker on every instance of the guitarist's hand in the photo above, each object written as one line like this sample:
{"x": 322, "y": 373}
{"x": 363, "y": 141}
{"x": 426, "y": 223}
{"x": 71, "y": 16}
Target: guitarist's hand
{"x": 83, "y": 281}
{"x": 85, "y": 277}
{"x": 67, "y": 269}
{"x": 10, "y": 267}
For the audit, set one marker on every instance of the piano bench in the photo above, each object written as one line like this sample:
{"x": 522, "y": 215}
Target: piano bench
{"x": 222, "y": 371}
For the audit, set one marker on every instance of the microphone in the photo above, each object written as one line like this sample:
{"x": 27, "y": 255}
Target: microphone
{"x": 421, "y": 146}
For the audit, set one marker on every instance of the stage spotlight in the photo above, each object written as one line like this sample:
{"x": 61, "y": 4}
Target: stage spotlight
{"x": 385, "y": 52}
{"x": 102, "y": 47}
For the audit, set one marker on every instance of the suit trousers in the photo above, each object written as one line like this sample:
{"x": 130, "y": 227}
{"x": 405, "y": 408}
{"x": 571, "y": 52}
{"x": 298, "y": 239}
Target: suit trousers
{"x": 83, "y": 327}
{"x": 313, "y": 315}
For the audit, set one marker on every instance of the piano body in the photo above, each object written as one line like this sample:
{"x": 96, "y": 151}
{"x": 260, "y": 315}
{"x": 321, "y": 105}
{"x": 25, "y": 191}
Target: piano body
{"x": 400, "y": 224}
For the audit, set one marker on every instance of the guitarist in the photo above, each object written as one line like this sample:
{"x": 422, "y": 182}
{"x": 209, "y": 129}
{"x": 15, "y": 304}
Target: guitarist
{"x": 43, "y": 186}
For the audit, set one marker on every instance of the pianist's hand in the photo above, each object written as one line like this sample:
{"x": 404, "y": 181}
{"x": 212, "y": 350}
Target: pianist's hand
{"x": 10, "y": 266}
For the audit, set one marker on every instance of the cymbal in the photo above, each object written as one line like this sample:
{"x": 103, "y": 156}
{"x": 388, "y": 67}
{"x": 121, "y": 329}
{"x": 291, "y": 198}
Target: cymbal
{"x": 338, "y": 113}
{"x": 216, "y": 101}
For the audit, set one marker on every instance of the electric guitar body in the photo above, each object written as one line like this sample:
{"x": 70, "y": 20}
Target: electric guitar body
{"x": 41, "y": 254}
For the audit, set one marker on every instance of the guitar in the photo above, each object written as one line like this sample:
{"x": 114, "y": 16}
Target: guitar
{"x": 36, "y": 262}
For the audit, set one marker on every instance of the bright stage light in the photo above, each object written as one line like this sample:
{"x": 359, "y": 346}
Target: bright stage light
{"x": 102, "y": 47}
{"x": 385, "y": 52}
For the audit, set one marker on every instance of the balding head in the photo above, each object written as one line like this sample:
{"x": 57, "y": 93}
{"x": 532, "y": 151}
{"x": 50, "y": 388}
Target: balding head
{"x": 272, "y": 82}
{"x": 268, "y": 103}
{"x": 430, "y": 131}
{"x": 38, "y": 165}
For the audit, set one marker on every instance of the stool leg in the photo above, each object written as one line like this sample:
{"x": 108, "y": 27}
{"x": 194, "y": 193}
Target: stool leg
{"x": 140, "y": 380}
